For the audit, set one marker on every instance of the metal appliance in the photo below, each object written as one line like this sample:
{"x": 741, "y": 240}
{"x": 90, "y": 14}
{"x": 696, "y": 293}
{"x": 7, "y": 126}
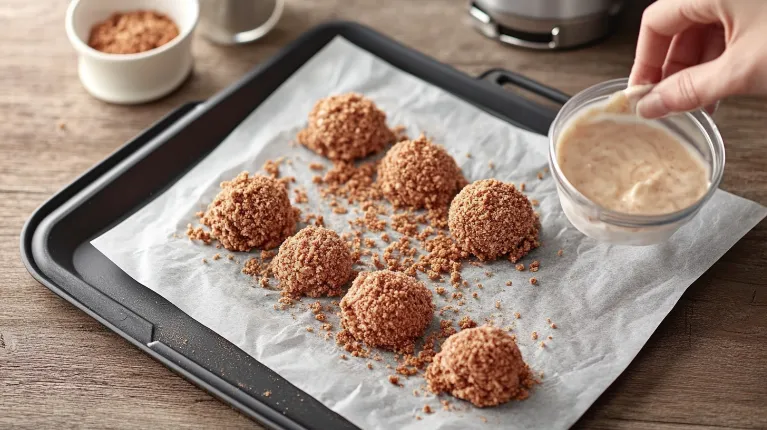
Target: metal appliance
{"x": 544, "y": 24}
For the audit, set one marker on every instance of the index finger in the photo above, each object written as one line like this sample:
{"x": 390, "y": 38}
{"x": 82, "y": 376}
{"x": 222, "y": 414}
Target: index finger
{"x": 660, "y": 22}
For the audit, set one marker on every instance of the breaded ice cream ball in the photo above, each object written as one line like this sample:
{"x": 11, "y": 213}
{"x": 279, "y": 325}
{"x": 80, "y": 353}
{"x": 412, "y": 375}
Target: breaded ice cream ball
{"x": 387, "y": 310}
{"x": 490, "y": 218}
{"x": 482, "y": 365}
{"x": 314, "y": 262}
{"x": 346, "y": 127}
{"x": 251, "y": 212}
{"x": 419, "y": 174}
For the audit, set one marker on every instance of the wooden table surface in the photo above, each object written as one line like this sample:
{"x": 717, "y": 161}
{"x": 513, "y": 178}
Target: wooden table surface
{"x": 705, "y": 367}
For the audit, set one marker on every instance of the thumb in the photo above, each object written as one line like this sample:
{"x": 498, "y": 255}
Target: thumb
{"x": 687, "y": 90}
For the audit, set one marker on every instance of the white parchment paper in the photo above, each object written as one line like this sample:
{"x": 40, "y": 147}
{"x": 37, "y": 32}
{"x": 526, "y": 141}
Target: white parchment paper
{"x": 606, "y": 300}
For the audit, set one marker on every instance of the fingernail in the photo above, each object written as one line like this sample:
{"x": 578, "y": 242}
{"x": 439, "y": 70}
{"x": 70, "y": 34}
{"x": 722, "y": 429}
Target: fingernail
{"x": 652, "y": 106}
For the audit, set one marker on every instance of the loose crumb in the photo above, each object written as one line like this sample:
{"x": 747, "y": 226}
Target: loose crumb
{"x": 517, "y": 315}
{"x": 508, "y": 283}
{"x": 543, "y": 344}
{"x": 204, "y": 261}
{"x": 310, "y": 329}
{"x": 394, "y": 379}
{"x": 550, "y": 337}
{"x": 560, "y": 252}
{"x": 427, "y": 409}
{"x": 343, "y": 357}
{"x": 535, "y": 202}
{"x": 522, "y": 186}
{"x": 316, "y": 166}
{"x": 440, "y": 290}
{"x": 534, "y": 335}
{"x": 474, "y": 294}
{"x": 520, "y": 267}
{"x": 497, "y": 304}
{"x": 535, "y": 265}
{"x": 267, "y": 393}
{"x": 370, "y": 366}
{"x": 534, "y": 281}
{"x": 540, "y": 175}
{"x": 216, "y": 256}
{"x": 553, "y": 325}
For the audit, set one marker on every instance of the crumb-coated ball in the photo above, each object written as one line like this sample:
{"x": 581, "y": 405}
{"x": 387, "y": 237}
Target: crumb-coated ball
{"x": 387, "y": 309}
{"x": 251, "y": 212}
{"x": 490, "y": 218}
{"x": 419, "y": 174}
{"x": 314, "y": 262}
{"x": 346, "y": 127}
{"x": 482, "y": 365}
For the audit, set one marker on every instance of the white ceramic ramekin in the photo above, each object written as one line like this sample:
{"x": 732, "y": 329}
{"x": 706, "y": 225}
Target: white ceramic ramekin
{"x": 132, "y": 78}
{"x": 697, "y": 128}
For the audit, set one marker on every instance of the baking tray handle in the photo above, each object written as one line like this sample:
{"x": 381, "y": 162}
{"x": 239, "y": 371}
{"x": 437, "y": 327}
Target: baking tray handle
{"x": 502, "y": 77}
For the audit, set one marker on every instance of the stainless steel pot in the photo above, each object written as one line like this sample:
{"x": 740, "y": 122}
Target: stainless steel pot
{"x": 544, "y": 24}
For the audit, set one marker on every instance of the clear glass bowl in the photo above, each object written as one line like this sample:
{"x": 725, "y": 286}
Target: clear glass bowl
{"x": 606, "y": 225}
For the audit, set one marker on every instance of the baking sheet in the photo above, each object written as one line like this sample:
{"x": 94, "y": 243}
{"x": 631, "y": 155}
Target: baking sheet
{"x": 606, "y": 300}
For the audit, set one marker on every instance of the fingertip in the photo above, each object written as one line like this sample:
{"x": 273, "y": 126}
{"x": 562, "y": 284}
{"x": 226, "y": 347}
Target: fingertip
{"x": 652, "y": 106}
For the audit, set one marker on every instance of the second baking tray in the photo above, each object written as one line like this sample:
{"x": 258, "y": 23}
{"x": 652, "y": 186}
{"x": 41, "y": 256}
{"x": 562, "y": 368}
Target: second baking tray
{"x": 55, "y": 242}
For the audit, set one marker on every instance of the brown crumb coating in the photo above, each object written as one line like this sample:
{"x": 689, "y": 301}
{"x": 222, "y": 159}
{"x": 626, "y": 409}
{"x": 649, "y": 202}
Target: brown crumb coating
{"x": 314, "y": 262}
{"x": 490, "y": 218}
{"x": 419, "y": 174}
{"x": 346, "y": 127}
{"x": 251, "y": 212}
{"x": 387, "y": 309}
{"x": 482, "y": 365}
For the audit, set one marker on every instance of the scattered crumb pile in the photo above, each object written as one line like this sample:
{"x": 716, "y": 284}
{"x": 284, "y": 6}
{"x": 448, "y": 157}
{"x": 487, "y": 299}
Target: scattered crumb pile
{"x": 346, "y": 127}
{"x": 387, "y": 309}
{"x": 315, "y": 262}
{"x": 249, "y": 212}
{"x": 419, "y": 174}
{"x": 481, "y": 365}
{"x": 132, "y": 32}
{"x": 490, "y": 218}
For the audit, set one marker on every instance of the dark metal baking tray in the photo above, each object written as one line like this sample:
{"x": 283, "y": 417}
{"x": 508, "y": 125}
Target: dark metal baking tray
{"x": 55, "y": 241}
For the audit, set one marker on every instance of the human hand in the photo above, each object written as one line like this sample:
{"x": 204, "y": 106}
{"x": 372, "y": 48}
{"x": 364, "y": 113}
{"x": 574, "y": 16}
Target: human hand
{"x": 698, "y": 52}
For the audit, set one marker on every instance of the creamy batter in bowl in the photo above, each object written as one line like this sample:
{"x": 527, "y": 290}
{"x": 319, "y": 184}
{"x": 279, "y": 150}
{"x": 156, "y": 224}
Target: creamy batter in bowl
{"x": 614, "y": 223}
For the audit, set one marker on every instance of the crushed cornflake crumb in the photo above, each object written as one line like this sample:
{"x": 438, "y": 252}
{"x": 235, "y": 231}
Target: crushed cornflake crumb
{"x": 543, "y": 344}
{"x": 522, "y": 186}
{"x": 309, "y": 329}
{"x": 316, "y": 166}
{"x": 517, "y": 315}
{"x": 440, "y": 290}
{"x": 427, "y": 409}
{"x": 370, "y": 365}
{"x": 508, "y": 283}
{"x": 343, "y": 357}
{"x": 216, "y": 257}
{"x": 540, "y": 175}
{"x": 535, "y": 265}
{"x": 474, "y": 295}
{"x": 466, "y": 322}
{"x": 535, "y": 202}
{"x": 204, "y": 261}
{"x": 491, "y": 165}
{"x": 497, "y": 304}
{"x": 534, "y": 281}
{"x": 534, "y": 335}
{"x": 394, "y": 379}
{"x": 320, "y": 317}
{"x": 550, "y": 337}
{"x": 267, "y": 393}
{"x": 416, "y": 393}
{"x": 520, "y": 267}
{"x": 553, "y": 325}
{"x": 560, "y": 252}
